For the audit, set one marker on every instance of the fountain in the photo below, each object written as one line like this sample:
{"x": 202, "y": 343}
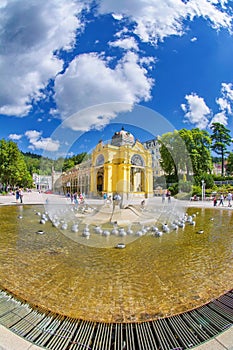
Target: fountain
{"x": 160, "y": 272}
{"x": 110, "y": 221}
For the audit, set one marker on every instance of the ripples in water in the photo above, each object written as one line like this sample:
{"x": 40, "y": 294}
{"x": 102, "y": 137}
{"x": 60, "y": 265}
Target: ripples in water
{"x": 150, "y": 278}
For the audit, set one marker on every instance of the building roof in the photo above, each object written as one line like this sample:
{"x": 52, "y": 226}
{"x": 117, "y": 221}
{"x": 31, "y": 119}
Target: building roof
{"x": 122, "y": 137}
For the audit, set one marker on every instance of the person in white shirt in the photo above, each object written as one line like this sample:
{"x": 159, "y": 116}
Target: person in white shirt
{"x": 21, "y": 195}
{"x": 221, "y": 200}
{"x": 229, "y": 198}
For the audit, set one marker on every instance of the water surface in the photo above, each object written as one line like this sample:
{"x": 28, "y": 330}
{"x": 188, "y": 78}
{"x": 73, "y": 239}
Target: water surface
{"x": 152, "y": 277}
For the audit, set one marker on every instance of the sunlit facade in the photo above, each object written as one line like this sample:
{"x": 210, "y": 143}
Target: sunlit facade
{"x": 122, "y": 166}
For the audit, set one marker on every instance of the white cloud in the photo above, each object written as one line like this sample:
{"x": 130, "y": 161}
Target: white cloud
{"x": 227, "y": 90}
{"x": 33, "y": 135}
{"x": 196, "y": 111}
{"x": 158, "y": 19}
{"x": 15, "y": 137}
{"x": 122, "y": 32}
{"x": 96, "y": 116}
{"x": 224, "y": 105}
{"x": 117, "y": 16}
{"x": 90, "y": 81}
{"x": 44, "y": 143}
{"x": 147, "y": 61}
{"x": 225, "y": 102}
{"x": 219, "y": 118}
{"x": 30, "y": 32}
{"x": 193, "y": 39}
{"x": 126, "y": 44}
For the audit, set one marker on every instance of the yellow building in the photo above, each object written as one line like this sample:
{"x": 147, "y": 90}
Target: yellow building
{"x": 121, "y": 166}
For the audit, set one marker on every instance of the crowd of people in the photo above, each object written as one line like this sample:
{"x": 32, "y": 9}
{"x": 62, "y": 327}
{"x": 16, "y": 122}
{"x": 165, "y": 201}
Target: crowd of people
{"x": 79, "y": 198}
{"x": 76, "y": 198}
{"x": 220, "y": 201}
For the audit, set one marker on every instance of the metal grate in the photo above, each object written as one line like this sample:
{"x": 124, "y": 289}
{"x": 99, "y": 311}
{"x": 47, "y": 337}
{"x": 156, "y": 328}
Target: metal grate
{"x": 56, "y": 332}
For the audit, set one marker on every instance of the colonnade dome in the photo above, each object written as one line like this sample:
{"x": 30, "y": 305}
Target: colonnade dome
{"x": 122, "y": 165}
{"x": 122, "y": 137}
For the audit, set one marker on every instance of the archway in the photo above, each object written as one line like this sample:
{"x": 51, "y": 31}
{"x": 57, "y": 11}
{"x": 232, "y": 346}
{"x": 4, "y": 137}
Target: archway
{"x": 100, "y": 180}
{"x": 137, "y": 179}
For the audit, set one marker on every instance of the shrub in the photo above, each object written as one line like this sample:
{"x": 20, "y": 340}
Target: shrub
{"x": 185, "y": 186}
{"x": 173, "y": 189}
{"x": 197, "y": 190}
{"x": 208, "y": 179}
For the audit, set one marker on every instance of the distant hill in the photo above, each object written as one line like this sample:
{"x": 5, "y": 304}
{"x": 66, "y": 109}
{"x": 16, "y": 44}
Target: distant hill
{"x": 44, "y": 166}
{"x": 31, "y": 155}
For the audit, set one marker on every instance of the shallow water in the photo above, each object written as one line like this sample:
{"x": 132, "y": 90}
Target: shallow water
{"x": 152, "y": 277}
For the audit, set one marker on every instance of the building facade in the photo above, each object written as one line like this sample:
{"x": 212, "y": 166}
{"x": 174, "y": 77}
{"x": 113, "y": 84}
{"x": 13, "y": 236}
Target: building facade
{"x": 47, "y": 182}
{"x": 123, "y": 166}
{"x": 153, "y": 147}
{"x": 77, "y": 179}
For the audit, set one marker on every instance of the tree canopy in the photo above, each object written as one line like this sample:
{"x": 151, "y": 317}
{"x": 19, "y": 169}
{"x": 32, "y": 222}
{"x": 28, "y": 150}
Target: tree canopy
{"x": 13, "y": 169}
{"x": 183, "y": 153}
{"x": 220, "y": 140}
{"x": 198, "y": 146}
{"x": 69, "y": 163}
{"x": 43, "y": 165}
{"x": 186, "y": 153}
{"x": 229, "y": 167}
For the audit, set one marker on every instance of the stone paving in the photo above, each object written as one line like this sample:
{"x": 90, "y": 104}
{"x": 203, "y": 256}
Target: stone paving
{"x": 11, "y": 341}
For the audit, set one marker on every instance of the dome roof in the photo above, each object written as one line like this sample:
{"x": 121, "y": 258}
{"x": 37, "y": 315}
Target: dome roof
{"x": 122, "y": 137}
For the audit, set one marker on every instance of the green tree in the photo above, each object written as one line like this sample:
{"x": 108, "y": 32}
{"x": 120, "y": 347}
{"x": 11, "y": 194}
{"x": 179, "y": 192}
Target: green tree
{"x": 69, "y": 163}
{"x": 32, "y": 161}
{"x": 175, "y": 159}
{"x": 208, "y": 179}
{"x": 166, "y": 161}
{"x": 198, "y": 146}
{"x": 220, "y": 140}
{"x": 58, "y": 164}
{"x": 229, "y": 167}
{"x": 46, "y": 166}
{"x": 13, "y": 169}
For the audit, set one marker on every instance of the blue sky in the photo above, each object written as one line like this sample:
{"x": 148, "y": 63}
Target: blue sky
{"x": 70, "y": 66}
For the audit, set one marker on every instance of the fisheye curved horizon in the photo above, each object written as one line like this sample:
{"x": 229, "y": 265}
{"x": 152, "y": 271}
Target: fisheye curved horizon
{"x": 123, "y": 159}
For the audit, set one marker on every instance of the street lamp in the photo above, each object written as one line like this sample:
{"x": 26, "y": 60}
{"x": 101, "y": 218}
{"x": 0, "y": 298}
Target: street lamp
{"x": 202, "y": 190}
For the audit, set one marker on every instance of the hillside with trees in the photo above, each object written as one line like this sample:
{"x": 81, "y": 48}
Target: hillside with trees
{"x": 16, "y": 167}
{"x": 43, "y": 165}
{"x": 185, "y": 157}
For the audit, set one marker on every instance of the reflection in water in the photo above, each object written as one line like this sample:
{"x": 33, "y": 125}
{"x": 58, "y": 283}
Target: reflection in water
{"x": 152, "y": 277}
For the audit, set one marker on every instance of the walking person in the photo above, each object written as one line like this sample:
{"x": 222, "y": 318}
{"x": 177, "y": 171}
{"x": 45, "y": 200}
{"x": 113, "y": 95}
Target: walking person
{"x": 17, "y": 195}
{"x": 229, "y": 198}
{"x": 21, "y": 195}
{"x": 163, "y": 197}
{"x": 169, "y": 196}
{"x": 221, "y": 200}
{"x": 215, "y": 201}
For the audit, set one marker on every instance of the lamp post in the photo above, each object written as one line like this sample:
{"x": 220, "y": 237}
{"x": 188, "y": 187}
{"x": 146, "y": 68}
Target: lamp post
{"x": 202, "y": 190}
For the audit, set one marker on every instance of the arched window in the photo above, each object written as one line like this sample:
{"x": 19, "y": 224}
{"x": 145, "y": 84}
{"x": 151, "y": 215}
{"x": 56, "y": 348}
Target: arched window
{"x": 99, "y": 160}
{"x": 137, "y": 160}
